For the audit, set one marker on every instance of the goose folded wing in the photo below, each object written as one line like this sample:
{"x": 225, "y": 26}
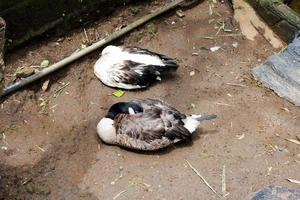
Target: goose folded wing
{"x": 130, "y": 72}
{"x": 170, "y": 62}
{"x": 138, "y": 50}
{"x": 152, "y": 126}
{"x": 166, "y": 109}
{"x": 143, "y": 127}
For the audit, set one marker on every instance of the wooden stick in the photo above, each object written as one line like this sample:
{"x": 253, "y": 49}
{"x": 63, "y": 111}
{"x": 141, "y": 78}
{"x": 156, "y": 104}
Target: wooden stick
{"x": 203, "y": 179}
{"x": 12, "y": 88}
{"x": 119, "y": 194}
{"x": 236, "y": 84}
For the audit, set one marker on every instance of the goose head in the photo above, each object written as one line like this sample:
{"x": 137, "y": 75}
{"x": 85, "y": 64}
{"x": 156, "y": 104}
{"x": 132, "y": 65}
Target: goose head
{"x": 106, "y": 127}
{"x": 111, "y": 49}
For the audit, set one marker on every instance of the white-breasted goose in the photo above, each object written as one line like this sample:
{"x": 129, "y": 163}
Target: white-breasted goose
{"x": 147, "y": 125}
{"x": 132, "y": 67}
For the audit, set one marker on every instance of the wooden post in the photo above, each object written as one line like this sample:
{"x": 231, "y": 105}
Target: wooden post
{"x": 2, "y": 42}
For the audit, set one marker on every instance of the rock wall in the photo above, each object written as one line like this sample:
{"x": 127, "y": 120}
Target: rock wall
{"x": 2, "y": 41}
{"x": 280, "y": 17}
{"x": 26, "y": 19}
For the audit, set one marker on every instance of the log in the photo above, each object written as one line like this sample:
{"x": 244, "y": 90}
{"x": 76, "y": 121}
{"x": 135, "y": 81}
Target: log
{"x": 2, "y": 41}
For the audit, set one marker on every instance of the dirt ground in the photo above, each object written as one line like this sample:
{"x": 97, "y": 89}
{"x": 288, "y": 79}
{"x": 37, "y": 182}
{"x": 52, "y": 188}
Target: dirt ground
{"x": 50, "y": 150}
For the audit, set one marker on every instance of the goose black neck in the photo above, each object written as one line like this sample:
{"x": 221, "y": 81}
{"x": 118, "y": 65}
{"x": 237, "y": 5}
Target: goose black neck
{"x": 122, "y": 108}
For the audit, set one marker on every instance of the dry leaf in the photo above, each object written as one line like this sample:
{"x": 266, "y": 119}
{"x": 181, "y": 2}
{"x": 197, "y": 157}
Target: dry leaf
{"x": 118, "y": 93}
{"x": 23, "y": 72}
{"x": 45, "y": 63}
{"x": 45, "y": 85}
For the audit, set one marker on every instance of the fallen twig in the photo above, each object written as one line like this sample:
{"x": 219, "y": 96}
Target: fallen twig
{"x": 236, "y": 84}
{"x": 207, "y": 37}
{"x": 221, "y": 27}
{"x": 203, "y": 179}
{"x": 115, "y": 197}
{"x": 116, "y": 179}
{"x": 293, "y": 181}
{"x": 293, "y": 141}
{"x": 59, "y": 90}
{"x": 222, "y": 104}
{"x": 224, "y": 192}
{"x": 86, "y": 36}
{"x": 230, "y": 35}
{"x": 40, "y": 148}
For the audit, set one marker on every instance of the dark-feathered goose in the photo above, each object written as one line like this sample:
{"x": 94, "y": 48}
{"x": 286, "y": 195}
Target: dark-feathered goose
{"x": 131, "y": 67}
{"x": 147, "y": 125}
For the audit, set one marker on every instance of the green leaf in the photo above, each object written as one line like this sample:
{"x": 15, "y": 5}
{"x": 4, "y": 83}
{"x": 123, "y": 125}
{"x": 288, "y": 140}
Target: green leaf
{"x": 45, "y": 63}
{"x": 118, "y": 93}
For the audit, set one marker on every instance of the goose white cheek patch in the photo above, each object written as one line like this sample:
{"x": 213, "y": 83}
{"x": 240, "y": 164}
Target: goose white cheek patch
{"x": 131, "y": 111}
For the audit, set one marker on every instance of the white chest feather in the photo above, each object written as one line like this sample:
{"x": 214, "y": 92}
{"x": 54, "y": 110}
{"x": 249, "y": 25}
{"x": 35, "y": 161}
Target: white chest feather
{"x": 106, "y": 131}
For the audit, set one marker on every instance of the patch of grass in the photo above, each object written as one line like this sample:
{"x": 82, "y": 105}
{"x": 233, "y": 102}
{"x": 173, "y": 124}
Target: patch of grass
{"x": 151, "y": 29}
{"x": 135, "y": 10}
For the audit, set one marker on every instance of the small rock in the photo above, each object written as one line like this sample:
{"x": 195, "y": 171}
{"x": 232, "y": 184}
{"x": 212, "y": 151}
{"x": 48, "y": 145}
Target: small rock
{"x": 192, "y": 73}
{"x": 52, "y": 166}
{"x": 82, "y": 46}
{"x": 4, "y": 148}
{"x": 235, "y": 44}
{"x": 215, "y": 48}
{"x": 275, "y": 192}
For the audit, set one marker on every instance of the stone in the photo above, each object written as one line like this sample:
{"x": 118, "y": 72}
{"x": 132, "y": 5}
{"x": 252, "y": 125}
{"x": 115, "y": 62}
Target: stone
{"x": 276, "y": 193}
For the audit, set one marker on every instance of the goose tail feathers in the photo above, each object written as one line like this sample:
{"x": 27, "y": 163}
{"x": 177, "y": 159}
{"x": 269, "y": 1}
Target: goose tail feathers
{"x": 170, "y": 64}
{"x": 201, "y": 118}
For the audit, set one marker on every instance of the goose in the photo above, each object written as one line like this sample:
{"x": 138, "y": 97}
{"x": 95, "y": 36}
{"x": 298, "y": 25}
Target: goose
{"x": 131, "y": 67}
{"x": 147, "y": 125}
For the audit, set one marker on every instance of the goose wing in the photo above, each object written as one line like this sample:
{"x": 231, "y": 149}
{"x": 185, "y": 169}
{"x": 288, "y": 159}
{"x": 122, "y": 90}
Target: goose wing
{"x": 133, "y": 73}
{"x": 167, "y": 110}
{"x": 149, "y": 130}
{"x": 162, "y": 62}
